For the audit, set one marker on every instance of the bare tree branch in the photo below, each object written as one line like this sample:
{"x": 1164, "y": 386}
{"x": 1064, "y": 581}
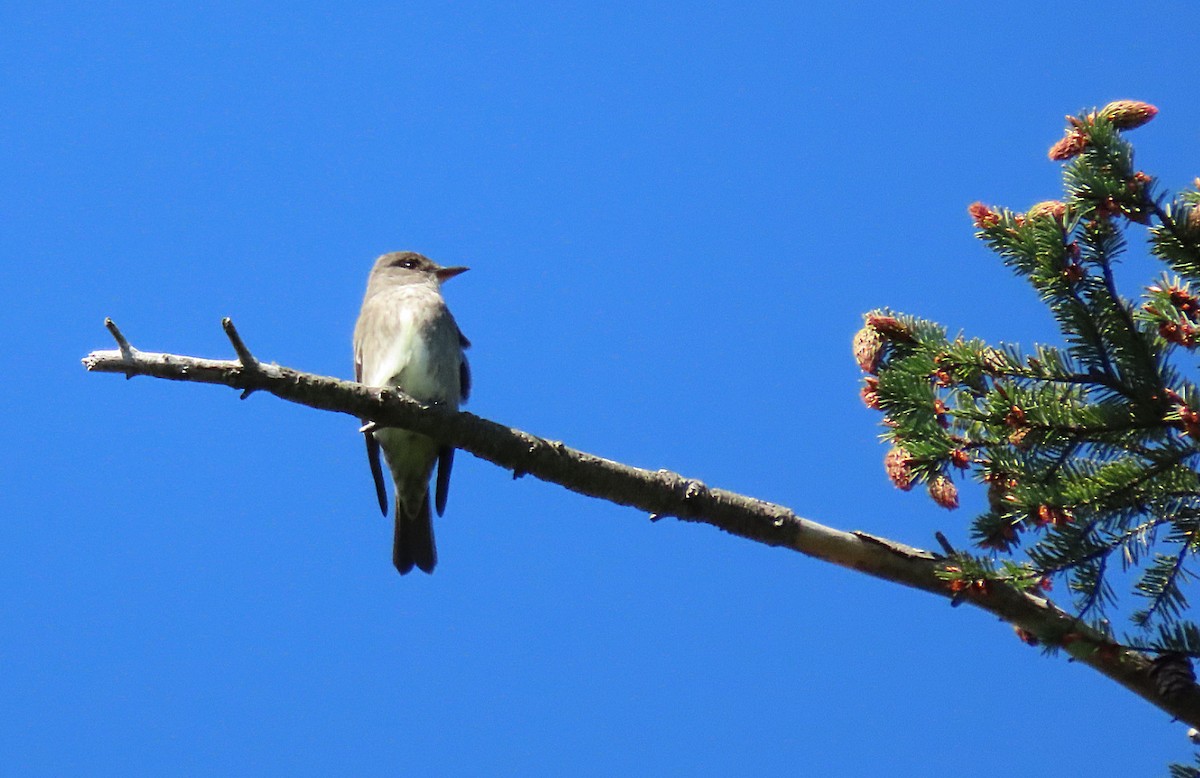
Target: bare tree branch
{"x": 661, "y": 494}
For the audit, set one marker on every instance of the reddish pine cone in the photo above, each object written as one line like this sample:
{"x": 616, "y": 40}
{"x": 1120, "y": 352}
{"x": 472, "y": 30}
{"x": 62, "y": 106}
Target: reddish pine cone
{"x": 1054, "y": 516}
{"x": 1128, "y": 114}
{"x": 983, "y": 215}
{"x": 870, "y": 393}
{"x": 868, "y": 349}
{"x": 1052, "y": 209}
{"x": 1189, "y": 419}
{"x": 1071, "y": 145}
{"x": 944, "y": 492}
{"x": 1180, "y": 333}
{"x": 1183, "y": 299}
{"x": 889, "y": 326}
{"x": 897, "y": 463}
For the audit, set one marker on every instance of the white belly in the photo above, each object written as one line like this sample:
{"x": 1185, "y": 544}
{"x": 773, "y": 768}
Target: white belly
{"x": 418, "y": 357}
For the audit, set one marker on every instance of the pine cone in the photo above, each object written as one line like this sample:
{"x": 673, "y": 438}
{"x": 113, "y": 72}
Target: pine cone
{"x": 870, "y": 393}
{"x": 1071, "y": 145}
{"x": 944, "y": 492}
{"x": 1128, "y": 114}
{"x": 897, "y": 463}
{"x": 1054, "y": 515}
{"x": 983, "y": 215}
{"x": 1050, "y": 209}
{"x": 889, "y": 326}
{"x": 868, "y": 349}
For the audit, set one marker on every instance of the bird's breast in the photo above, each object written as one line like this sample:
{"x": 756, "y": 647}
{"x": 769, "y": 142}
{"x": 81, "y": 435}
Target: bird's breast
{"x": 419, "y": 352}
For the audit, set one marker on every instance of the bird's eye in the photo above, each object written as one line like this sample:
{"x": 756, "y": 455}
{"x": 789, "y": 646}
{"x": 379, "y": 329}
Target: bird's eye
{"x": 408, "y": 264}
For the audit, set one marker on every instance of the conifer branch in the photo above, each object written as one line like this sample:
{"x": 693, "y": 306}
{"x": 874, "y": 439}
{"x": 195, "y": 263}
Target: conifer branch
{"x": 1086, "y": 451}
{"x": 1167, "y": 594}
{"x": 1076, "y": 379}
{"x": 1095, "y": 593}
{"x": 1185, "y": 239}
{"x": 663, "y": 494}
{"x": 1087, "y": 327}
{"x": 1106, "y": 548}
{"x": 1149, "y": 365}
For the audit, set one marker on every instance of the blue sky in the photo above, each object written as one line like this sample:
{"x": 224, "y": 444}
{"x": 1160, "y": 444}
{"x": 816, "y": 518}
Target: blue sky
{"x": 674, "y": 219}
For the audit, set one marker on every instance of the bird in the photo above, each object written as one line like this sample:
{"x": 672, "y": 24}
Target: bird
{"x": 405, "y": 337}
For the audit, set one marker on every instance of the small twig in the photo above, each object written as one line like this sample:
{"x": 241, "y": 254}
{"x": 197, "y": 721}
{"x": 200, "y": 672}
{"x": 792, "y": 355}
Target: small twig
{"x": 244, "y": 356}
{"x": 122, "y": 344}
{"x": 945, "y": 544}
{"x": 370, "y": 426}
{"x": 243, "y": 353}
{"x": 127, "y": 351}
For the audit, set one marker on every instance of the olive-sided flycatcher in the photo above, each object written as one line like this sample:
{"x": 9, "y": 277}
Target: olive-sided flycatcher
{"x": 406, "y": 338}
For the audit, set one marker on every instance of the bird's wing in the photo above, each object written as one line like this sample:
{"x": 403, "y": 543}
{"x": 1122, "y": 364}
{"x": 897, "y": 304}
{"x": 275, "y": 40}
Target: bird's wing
{"x": 464, "y": 369}
{"x": 442, "y": 491}
{"x": 376, "y": 471}
{"x": 372, "y": 443}
{"x": 446, "y": 454}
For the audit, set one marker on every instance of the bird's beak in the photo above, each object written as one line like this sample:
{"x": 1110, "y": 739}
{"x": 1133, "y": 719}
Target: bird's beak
{"x": 446, "y": 273}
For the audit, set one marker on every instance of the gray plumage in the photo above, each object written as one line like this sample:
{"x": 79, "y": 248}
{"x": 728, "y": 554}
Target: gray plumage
{"x": 406, "y": 337}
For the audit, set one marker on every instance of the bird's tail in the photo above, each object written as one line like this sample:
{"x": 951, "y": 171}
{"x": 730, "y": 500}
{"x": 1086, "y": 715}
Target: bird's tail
{"x": 413, "y": 541}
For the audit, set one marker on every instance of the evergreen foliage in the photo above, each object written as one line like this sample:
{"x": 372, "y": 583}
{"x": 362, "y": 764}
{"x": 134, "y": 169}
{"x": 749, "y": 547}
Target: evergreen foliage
{"x": 1088, "y": 452}
{"x": 1184, "y": 771}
